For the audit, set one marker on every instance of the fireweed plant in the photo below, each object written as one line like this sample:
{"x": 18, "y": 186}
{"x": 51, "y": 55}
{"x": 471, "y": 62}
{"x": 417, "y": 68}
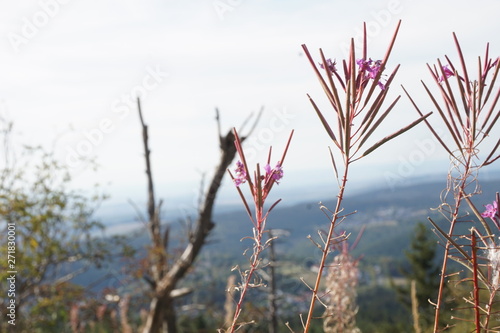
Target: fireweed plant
{"x": 468, "y": 108}
{"x": 341, "y": 289}
{"x": 260, "y": 182}
{"x": 356, "y": 92}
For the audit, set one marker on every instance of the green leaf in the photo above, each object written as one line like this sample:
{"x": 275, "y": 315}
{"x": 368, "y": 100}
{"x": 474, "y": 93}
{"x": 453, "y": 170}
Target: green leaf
{"x": 33, "y": 243}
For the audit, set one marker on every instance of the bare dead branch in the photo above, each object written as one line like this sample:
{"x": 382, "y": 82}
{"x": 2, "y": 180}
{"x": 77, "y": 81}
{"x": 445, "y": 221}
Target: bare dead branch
{"x": 165, "y": 282}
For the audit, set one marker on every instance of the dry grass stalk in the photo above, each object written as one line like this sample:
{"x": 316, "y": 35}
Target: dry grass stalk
{"x": 341, "y": 288}
{"x": 414, "y": 307}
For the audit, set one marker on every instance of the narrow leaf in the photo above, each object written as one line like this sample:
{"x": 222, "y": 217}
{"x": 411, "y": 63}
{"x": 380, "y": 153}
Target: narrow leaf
{"x": 377, "y": 123}
{"x": 450, "y": 101}
{"x": 478, "y": 215}
{"x": 241, "y": 153}
{"x": 493, "y": 80}
{"x": 320, "y": 77}
{"x": 335, "y": 95}
{"x": 384, "y": 62}
{"x": 462, "y": 61}
{"x": 455, "y": 135}
{"x": 489, "y": 159}
{"x": 286, "y": 147}
{"x": 429, "y": 125}
{"x": 488, "y": 115}
{"x": 395, "y": 134}
{"x": 376, "y": 105}
{"x": 245, "y": 203}
{"x": 325, "y": 123}
{"x": 333, "y": 163}
{"x": 272, "y": 206}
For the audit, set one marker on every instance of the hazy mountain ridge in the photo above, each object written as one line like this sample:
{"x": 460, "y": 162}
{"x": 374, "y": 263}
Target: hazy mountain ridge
{"x": 389, "y": 218}
{"x": 374, "y": 208}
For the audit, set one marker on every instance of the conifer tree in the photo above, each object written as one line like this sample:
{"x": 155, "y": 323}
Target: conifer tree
{"x": 424, "y": 271}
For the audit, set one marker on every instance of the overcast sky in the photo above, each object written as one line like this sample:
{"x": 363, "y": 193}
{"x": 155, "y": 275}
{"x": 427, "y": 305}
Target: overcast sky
{"x": 70, "y": 70}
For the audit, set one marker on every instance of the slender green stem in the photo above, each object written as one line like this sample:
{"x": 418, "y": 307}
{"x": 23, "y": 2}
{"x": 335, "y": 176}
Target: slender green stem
{"x": 326, "y": 248}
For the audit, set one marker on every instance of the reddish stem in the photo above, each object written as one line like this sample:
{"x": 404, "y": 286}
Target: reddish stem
{"x": 326, "y": 249}
{"x": 477, "y": 316}
{"x": 454, "y": 217}
{"x": 258, "y": 248}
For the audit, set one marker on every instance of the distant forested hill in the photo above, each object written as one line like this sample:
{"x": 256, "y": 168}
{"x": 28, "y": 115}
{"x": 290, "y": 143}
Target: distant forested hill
{"x": 388, "y": 216}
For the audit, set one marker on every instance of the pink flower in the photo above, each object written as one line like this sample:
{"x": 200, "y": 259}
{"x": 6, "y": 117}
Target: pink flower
{"x": 330, "y": 65}
{"x": 274, "y": 174}
{"x": 240, "y": 174}
{"x": 491, "y": 211}
{"x": 371, "y": 68}
{"x": 363, "y": 64}
{"x": 447, "y": 73}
